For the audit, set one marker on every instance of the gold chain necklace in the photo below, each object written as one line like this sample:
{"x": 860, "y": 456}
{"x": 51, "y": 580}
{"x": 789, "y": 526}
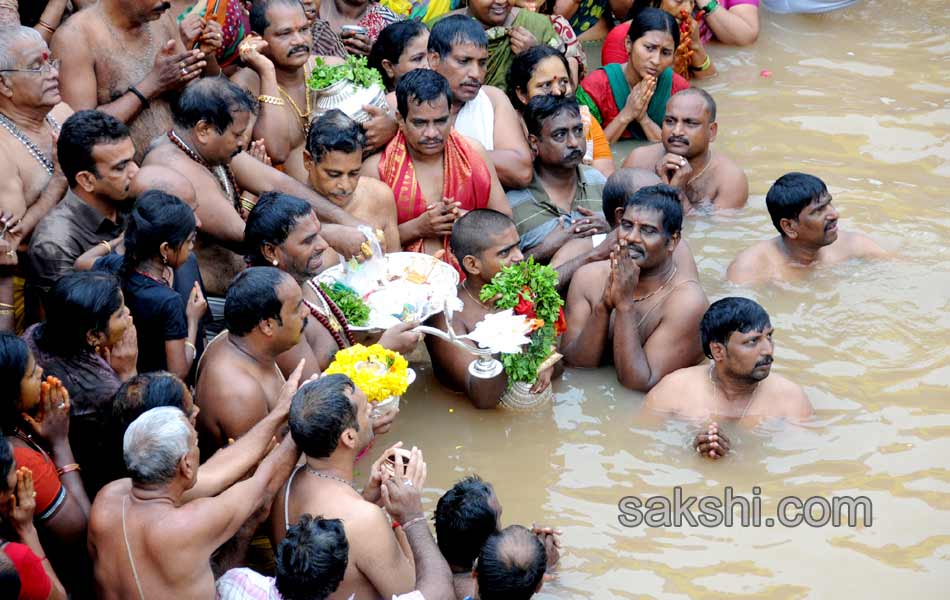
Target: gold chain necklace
{"x": 303, "y": 116}
{"x": 659, "y": 289}
{"x": 701, "y": 171}
{"x": 479, "y": 302}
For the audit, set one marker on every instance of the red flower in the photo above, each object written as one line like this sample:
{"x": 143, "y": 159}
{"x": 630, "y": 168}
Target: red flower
{"x": 525, "y": 306}
{"x": 560, "y": 326}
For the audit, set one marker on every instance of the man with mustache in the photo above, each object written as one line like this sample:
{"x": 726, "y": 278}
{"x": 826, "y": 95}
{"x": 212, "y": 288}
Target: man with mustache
{"x": 31, "y": 111}
{"x": 563, "y": 202}
{"x": 685, "y": 160}
{"x": 128, "y": 58}
{"x": 737, "y": 336}
{"x": 212, "y": 119}
{"x": 458, "y": 50}
{"x": 97, "y": 159}
{"x": 436, "y": 174}
{"x": 279, "y": 61}
{"x": 800, "y": 207}
{"x": 637, "y": 310}
{"x": 238, "y": 379}
{"x": 284, "y": 232}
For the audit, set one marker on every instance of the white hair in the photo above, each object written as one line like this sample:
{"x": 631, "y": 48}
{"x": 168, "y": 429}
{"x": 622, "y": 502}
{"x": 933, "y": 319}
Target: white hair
{"x": 9, "y": 36}
{"x": 155, "y": 443}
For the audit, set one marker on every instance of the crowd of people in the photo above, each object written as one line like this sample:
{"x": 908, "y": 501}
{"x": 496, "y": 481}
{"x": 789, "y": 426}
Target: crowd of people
{"x": 169, "y": 194}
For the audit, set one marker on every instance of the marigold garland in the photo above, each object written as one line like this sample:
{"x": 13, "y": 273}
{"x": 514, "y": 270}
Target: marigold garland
{"x": 393, "y": 381}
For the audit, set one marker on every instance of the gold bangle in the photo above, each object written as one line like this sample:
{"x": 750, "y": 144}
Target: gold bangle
{"x": 194, "y": 351}
{"x": 46, "y": 26}
{"x": 6, "y": 311}
{"x": 270, "y": 100}
{"x": 68, "y": 469}
{"x": 5, "y": 305}
{"x": 107, "y": 245}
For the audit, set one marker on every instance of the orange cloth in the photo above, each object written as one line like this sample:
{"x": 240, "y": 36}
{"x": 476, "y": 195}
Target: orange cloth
{"x": 466, "y": 179}
{"x": 601, "y": 145}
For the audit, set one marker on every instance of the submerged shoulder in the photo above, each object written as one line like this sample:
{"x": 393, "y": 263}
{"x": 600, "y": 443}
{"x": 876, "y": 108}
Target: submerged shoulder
{"x": 673, "y": 390}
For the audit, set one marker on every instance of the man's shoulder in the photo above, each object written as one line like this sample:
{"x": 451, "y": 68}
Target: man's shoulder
{"x": 669, "y": 392}
{"x": 498, "y": 98}
{"x": 790, "y": 398}
{"x": 58, "y": 220}
{"x": 103, "y": 505}
{"x": 751, "y": 262}
{"x": 591, "y": 273}
{"x": 371, "y": 185}
{"x": 592, "y": 176}
{"x": 644, "y": 156}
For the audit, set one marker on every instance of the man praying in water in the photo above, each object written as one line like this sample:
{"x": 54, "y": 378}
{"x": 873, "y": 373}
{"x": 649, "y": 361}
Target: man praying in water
{"x": 737, "y": 335}
{"x": 800, "y": 207}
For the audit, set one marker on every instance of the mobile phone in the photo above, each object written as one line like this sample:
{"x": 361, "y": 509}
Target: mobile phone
{"x": 354, "y": 29}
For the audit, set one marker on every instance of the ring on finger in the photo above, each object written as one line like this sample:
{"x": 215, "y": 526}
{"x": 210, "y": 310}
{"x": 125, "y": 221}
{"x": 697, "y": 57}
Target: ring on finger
{"x": 184, "y": 71}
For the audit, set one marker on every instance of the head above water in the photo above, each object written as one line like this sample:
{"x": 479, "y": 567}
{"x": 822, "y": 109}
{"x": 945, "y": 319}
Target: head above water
{"x": 465, "y": 517}
{"x": 311, "y": 559}
{"x": 267, "y": 302}
{"x": 160, "y": 446}
{"x": 511, "y": 565}
{"x": 555, "y": 131}
{"x": 538, "y": 70}
{"x": 216, "y": 114}
{"x": 96, "y": 153}
{"x": 800, "y": 207}
{"x": 334, "y": 156}
{"x": 689, "y": 126}
{"x": 401, "y": 47}
{"x": 484, "y": 241}
{"x": 662, "y": 199}
{"x": 283, "y": 231}
{"x": 284, "y": 25}
{"x": 737, "y": 334}
{"x": 330, "y": 414}
{"x": 621, "y": 186}
{"x": 651, "y": 42}
{"x": 425, "y": 119}
{"x": 421, "y": 86}
{"x": 458, "y": 49}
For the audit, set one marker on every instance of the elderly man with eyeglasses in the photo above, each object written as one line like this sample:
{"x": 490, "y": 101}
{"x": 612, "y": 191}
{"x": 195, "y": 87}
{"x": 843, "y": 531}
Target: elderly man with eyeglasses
{"x": 31, "y": 111}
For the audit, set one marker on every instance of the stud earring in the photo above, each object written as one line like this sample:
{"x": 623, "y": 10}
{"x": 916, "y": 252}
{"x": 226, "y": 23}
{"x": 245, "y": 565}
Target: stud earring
{"x": 275, "y": 262}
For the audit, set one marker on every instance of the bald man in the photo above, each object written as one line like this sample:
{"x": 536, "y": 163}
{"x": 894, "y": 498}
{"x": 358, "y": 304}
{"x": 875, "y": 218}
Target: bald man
{"x": 620, "y": 186}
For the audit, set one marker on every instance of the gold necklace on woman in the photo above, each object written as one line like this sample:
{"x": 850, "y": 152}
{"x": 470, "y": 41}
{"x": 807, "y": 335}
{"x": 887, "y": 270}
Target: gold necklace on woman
{"x": 303, "y": 116}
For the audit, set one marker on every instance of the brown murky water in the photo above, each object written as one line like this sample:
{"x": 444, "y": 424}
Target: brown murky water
{"x": 859, "y": 98}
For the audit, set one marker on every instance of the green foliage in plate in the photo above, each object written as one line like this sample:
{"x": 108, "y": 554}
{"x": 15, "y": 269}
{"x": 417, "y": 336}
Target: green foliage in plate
{"x": 354, "y": 69}
{"x": 350, "y": 304}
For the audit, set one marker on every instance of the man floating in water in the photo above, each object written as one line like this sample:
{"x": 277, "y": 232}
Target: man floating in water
{"x": 737, "y": 335}
{"x": 800, "y": 207}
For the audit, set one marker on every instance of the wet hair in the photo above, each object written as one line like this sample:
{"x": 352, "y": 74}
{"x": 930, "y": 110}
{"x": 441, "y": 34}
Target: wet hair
{"x": 790, "y": 194}
{"x": 522, "y": 70}
{"x": 320, "y": 412}
{"x": 543, "y": 107}
{"x": 155, "y": 443}
{"x": 454, "y": 30}
{"x": 390, "y": 45}
{"x": 14, "y": 359}
{"x": 333, "y": 131}
{"x": 10, "y": 35}
{"x": 464, "y": 519}
{"x": 475, "y": 231}
{"x": 654, "y": 19}
{"x": 706, "y": 97}
{"x": 311, "y": 559}
{"x": 257, "y": 16}
{"x": 78, "y": 303}
{"x": 621, "y": 186}
{"x": 729, "y": 315}
{"x": 6, "y": 463}
{"x": 213, "y": 100}
{"x": 252, "y": 298}
{"x": 421, "y": 85}
{"x": 80, "y": 134}
{"x": 511, "y": 565}
{"x": 270, "y": 222}
{"x": 156, "y": 218}
{"x": 144, "y": 392}
{"x": 663, "y": 199}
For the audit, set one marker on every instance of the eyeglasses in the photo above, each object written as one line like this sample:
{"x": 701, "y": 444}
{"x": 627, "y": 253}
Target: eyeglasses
{"x": 43, "y": 70}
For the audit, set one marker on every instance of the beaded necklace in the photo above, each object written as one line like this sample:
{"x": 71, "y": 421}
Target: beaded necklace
{"x": 33, "y": 149}
{"x": 331, "y": 317}
{"x": 221, "y": 172}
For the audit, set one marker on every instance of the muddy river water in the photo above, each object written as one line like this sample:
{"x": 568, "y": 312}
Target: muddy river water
{"x": 860, "y": 98}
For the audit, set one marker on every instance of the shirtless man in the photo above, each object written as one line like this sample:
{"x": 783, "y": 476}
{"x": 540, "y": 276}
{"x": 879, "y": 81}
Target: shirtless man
{"x": 424, "y": 166}
{"x": 458, "y": 50}
{"x": 279, "y": 62}
{"x": 637, "y": 309}
{"x": 127, "y": 58}
{"x": 333, "y": 160}
{"x": 620, "y": 186}
{"x": 330, "y": 422}
{"x": 800, "y": 207}
{"x": 238, "y": 378}
{"x": 212, "y": 117}
{"x": 143, "y": 535}
{"x": 684, "y": 159}
{"x": 737, "y": 336}
{"x": 485, "y": 242}
{"x": 31, "y": 112}
{"x": 283, "y": 231}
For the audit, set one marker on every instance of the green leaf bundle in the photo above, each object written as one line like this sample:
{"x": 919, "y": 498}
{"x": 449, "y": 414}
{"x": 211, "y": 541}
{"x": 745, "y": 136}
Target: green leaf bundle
{"x": 350, "y": 304}
{"x": 354, "y": 69}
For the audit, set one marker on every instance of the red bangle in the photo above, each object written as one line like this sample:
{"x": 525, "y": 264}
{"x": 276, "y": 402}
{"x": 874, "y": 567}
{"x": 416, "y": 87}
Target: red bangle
{"x": 67, "y": 469}
{"x": 396, "y": 525}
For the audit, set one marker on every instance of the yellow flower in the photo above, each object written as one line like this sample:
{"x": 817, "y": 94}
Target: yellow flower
{"x": 378, "y": 372}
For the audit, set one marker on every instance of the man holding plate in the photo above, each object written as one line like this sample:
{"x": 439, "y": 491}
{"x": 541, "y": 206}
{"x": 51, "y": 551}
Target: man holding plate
{"x": 284, "y": 232}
